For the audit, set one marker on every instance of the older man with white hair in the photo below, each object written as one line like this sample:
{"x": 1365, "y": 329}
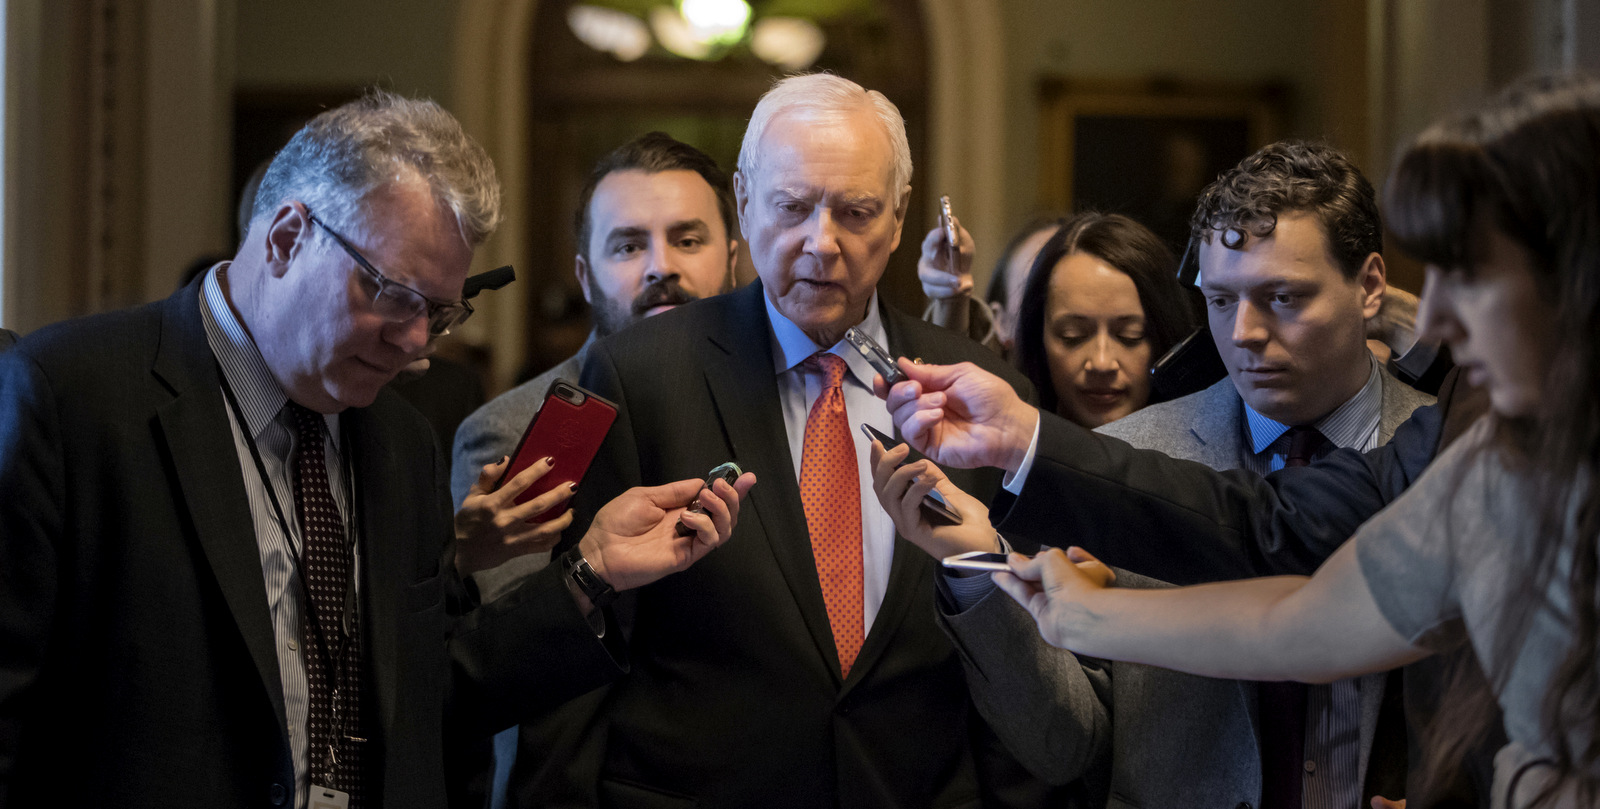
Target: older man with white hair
{"x": 800, "y": 666}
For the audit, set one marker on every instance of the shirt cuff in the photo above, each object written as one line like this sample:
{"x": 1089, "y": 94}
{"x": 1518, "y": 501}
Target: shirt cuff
{"x": 967, "y": 591}
{"x": 1014, "y": 483}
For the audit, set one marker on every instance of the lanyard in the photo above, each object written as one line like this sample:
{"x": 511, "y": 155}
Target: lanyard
{"x": 348, "y": 615}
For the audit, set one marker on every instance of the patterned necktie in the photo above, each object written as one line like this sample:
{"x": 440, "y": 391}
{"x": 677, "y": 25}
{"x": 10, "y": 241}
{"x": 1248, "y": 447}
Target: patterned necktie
{"x": 830, "y": 490}
{"x": 1283, "y": 705}
{"x": 333, "y": 662}
{"x": 1303, "y": 443}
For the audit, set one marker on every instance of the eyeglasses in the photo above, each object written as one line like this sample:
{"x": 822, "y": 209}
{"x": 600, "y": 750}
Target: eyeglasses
{"x": 397, "y": 302}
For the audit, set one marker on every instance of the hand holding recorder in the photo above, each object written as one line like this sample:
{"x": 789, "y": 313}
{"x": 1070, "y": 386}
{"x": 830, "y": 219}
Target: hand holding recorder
{"x": 960, "y": 415}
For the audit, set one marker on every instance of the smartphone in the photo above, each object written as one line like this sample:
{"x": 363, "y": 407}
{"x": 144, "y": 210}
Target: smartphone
{"x": 729, "y": 472}
{"x": 881, "y": 360}
{"x": 569, "y": 427}
{"x": 933, "y": 503}
{"x": 952, "y": 239}
{"x": 1188, "y": 367}
{"x": 978, "y": 560}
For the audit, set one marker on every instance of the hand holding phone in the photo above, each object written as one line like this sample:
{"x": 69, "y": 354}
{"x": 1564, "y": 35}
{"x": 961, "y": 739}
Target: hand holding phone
{"x": 568, "y": 429}
{"x": 933, "y": 503}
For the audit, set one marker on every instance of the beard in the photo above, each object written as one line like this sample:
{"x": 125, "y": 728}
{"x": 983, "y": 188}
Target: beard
{"x": 611, "y": 316}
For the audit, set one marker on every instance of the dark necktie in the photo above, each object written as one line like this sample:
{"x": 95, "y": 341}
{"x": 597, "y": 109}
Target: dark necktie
{"x": 1283, "y": 705}
{"x": 1303, "y": 444}
{"x": 332, "y": 658}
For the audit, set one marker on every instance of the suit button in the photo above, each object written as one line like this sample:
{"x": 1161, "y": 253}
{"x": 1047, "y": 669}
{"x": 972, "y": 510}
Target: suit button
{"x": 1242, "y": 805}
{"x": 278, "y": 794}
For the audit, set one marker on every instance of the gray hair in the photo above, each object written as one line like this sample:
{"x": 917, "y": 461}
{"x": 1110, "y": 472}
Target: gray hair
{"x": 824, "y": 96}
{"x": 346, "y": 153}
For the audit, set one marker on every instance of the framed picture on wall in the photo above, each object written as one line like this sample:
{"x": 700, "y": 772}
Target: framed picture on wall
{"x": 1146, "y": 148}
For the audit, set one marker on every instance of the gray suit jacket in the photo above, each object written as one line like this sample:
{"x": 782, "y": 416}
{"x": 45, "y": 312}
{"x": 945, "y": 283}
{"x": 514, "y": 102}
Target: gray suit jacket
{"x": 1177, "y": 740}
{"x": 1208, "y": 426}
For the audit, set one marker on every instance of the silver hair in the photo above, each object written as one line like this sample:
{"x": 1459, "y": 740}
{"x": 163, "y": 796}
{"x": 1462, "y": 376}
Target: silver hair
{"x": 348, "y": 152}
{"x": 824, "y": 96}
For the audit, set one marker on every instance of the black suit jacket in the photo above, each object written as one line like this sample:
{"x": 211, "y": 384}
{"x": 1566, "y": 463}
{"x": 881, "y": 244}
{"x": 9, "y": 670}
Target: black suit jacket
{"x": 139, "y": 665}
{"x": 735, "y": 697}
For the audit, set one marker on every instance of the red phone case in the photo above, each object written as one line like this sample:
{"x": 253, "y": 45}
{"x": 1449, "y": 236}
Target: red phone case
{"x": 569, "y": 427}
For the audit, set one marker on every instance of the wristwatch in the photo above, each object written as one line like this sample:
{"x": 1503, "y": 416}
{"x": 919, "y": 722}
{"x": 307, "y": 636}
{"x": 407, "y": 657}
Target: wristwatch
{"x": 577, "y": 568}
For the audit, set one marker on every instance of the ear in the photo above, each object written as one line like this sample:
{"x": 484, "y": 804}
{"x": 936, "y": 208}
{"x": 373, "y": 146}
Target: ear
{"x": 1373, "y": 278}
{"x": 900, "y": 216}
{"x": 733, "y": 262}
{"x": 580, "y": 268}
{"x": 287, "y": 232}
{"x": 741, "y": 198}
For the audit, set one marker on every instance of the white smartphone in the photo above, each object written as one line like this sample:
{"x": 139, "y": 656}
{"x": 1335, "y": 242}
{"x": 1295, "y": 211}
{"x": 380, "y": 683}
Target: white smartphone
{"x": 978, "y": 560}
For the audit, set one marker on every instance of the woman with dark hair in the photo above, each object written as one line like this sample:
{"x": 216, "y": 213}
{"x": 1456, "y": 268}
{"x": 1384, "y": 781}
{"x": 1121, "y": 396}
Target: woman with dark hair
{"x": 1496, "y": 544}
{"x": 1101, "y": 303}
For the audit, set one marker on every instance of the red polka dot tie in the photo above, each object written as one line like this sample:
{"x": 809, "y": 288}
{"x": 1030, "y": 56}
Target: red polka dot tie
{"x": 830, "y": 490}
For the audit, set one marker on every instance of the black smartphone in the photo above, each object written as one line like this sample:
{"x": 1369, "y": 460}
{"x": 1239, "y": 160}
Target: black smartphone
{"x": 1188, "y": 367}
{"x": 933, "y": 503}
{"x": 881, "y": 360}
{"x": 729, "y": 472}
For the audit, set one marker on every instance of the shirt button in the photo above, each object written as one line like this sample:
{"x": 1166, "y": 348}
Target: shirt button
{"x": 1311, "y": 767}
{"x": 294, "y": 647}
{"x": 278, "y": 794}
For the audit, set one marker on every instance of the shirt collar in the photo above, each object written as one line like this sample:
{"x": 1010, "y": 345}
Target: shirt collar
{"x": 1348, "y": 425}
{"x": 258, "y": 393}
{"x": 791, "y": 346}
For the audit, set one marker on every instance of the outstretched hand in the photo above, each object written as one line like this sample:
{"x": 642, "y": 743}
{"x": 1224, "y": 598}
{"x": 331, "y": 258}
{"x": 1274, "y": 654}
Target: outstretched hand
{"x": 1054, "y": 587}
{"x": 960, "y": 415}
{"x": 491, "y": 527}
{"x": 633, "y": 540}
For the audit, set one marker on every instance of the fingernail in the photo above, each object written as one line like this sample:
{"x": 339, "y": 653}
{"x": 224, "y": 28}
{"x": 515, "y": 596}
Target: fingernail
{"x": 572, "y": 487}
{"x": 504, "y": 458}
{"x": 550, "y": 460}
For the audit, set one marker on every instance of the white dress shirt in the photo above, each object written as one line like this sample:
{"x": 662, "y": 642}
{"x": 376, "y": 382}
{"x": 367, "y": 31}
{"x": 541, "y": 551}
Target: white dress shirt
{"x": 798, "y": 389}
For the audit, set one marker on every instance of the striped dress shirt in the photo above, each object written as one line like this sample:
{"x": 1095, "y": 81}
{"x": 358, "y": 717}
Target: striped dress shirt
{"x": 1332, "y": 769}
{"x": 261, "y": 401}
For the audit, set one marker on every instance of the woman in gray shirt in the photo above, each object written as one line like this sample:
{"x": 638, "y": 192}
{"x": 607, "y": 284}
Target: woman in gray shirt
{"x": 1496, "y": 545}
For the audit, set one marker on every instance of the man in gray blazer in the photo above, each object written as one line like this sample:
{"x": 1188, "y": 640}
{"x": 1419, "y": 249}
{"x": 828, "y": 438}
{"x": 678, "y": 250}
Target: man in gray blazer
{"x": 1289, "y": 244}
{"x": 654, "y": 230}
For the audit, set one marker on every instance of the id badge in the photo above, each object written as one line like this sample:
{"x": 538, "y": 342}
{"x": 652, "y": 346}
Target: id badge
{"x": 325, "y": 798}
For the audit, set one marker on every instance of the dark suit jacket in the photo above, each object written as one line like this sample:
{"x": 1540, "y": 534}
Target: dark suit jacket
{"x": 8, "y": 338}
{"x": 139, "y": 661}
{"x": 735, "y": 697}
{"x": 1195, "y": 525}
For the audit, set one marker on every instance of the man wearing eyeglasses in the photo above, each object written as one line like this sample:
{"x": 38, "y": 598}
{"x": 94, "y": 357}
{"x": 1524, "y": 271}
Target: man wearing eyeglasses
{"x": 226, "y": 576}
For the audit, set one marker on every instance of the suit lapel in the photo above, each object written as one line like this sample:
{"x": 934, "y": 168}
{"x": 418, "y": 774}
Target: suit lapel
{"x": 197, "y": 433}
{"x": 379, "y": 520}
{"x": 1218, "y": 426}
{"x": 738, "y": 368}
{"x": 908, "y": 572}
